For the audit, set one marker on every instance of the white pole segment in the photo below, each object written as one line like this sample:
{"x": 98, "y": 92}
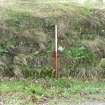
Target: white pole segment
{"x": 56, "y": 39}
{"x": 56, "y": 50}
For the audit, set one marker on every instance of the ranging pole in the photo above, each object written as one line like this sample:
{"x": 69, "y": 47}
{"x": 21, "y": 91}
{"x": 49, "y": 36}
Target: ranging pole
{"x": 56, "y": 39}
{"x": 56, "y": 50}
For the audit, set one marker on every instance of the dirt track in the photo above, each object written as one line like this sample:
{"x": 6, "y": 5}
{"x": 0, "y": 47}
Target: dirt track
{"x": 68, "y": 102}
{"x": 93, "y": 103}
{"x": 13, "y": 100}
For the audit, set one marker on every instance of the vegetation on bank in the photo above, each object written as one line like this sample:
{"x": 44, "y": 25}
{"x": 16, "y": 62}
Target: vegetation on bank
{"x": 27, "y": 36}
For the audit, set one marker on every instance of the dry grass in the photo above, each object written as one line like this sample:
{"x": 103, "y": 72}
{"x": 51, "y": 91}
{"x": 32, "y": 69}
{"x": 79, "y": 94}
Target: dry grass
{"x": 96, "y": 46}
{"x": 40, "y": 8}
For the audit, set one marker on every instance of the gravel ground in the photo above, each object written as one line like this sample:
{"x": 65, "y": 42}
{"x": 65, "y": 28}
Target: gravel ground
{"x": 67, "y": 102}
{"x": 56, "y": 101}
{"x": 93, "y": 103}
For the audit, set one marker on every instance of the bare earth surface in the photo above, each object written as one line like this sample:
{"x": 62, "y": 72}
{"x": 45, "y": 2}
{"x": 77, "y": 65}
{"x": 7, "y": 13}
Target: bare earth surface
{"x": 56, "y": 101}
{"x": 65, "y": 102}
{"x": 93, "y": 103}
{"x": 14, "y": 100}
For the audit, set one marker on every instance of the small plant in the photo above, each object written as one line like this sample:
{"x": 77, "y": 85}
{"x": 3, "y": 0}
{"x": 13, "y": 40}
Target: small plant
{"x": 79, "y": 53}
{"x": 37, "y": 89}
{"x": 3, "y": 49}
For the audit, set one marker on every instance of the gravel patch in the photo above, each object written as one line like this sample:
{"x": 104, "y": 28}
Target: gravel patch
{"x": 93, "y": 103}
{"x": 4, "y": 100}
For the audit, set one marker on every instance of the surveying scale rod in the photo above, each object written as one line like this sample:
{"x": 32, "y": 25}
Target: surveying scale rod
{"x": 56, "y": 51}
